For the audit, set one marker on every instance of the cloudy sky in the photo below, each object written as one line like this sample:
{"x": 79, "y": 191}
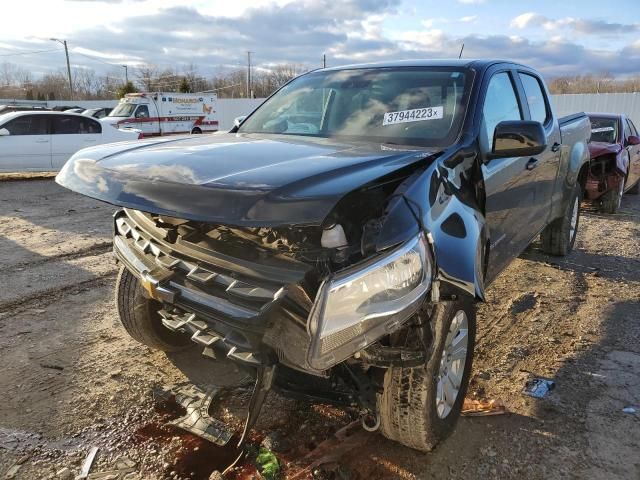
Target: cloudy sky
{"x": 557, "y": 37}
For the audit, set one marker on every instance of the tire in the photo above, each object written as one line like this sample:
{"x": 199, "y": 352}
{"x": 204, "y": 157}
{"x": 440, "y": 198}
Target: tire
{"x": 139, "y": 316}
{"x": 196, "y": 131}
{"x": 559, "y": 237}
{"x": 610, "y": 202}
{"x": 407, "y": 406}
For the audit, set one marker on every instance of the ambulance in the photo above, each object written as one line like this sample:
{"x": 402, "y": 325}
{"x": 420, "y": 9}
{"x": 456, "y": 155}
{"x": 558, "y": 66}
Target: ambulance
{"x": 164, "y": 113}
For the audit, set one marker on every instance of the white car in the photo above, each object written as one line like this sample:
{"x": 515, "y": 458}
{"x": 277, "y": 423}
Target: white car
{"x": 44, "y": 141}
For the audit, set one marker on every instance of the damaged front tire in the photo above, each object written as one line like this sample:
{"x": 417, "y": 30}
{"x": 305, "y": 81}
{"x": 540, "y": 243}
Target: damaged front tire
{"x": 139, "y": 316}
{"x": 419, "y": 407}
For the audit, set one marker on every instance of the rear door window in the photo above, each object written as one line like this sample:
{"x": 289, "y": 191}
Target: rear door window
{"x": 72, "y": 125}
{"x": 28, "y": 125}
{"x": 535, "y": 98}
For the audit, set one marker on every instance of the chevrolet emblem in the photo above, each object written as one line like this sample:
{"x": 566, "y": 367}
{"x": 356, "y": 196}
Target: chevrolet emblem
{"x": 149, "y": 285}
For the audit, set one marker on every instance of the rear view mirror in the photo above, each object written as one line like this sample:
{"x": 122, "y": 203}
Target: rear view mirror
{"x": 4, "y": 132}
{"x": 518, "y": 138}
{"x": 238, "y": 120}
{"x": 633, "y": 140}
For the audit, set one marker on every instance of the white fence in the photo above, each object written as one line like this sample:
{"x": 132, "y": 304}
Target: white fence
{"x": 227, "y": 108}
{"x": 627, "y": 103}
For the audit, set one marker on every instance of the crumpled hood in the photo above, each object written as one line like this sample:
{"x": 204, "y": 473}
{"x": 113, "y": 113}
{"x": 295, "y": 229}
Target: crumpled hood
{"x": 601, "y": 148}
{"x": 233, "y": 179}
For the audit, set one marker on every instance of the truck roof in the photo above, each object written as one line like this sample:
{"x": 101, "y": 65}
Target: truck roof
{"x": 440, "y": 62}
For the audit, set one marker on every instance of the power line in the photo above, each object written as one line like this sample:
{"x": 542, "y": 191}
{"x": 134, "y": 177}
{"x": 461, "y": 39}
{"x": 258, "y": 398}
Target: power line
{"x": 29, "y": 53}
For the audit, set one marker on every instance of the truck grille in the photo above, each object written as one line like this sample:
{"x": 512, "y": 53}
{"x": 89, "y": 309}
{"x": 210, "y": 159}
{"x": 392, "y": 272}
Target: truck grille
{"x": 215, "y": 300}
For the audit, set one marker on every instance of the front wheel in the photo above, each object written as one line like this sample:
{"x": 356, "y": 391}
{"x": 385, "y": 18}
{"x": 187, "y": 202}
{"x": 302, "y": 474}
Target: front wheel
{"x": 559, "y": 236}
{"x": 419, "y": 407}
{"x": 140, "y": 318}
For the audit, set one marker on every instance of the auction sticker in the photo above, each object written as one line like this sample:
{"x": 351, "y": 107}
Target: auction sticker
{"x": 415, "y": 115}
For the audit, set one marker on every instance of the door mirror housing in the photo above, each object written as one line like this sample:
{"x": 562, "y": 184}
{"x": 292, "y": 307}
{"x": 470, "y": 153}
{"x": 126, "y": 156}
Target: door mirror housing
{"x": 4, "y": 132}
{"x": 518, "y": 138}
{"x": 238, "y": 120}
{"x": 633, "y": 140}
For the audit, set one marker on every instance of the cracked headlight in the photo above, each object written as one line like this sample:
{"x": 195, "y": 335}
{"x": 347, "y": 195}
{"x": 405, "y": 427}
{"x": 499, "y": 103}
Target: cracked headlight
{"x": 358, "y": 306}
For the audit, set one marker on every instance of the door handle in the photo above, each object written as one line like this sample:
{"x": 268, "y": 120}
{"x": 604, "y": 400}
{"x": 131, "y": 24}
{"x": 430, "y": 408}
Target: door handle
{"x": 42, "y": 141}
{"x": 555, "y": 147}
{"x": 532, "y": 163}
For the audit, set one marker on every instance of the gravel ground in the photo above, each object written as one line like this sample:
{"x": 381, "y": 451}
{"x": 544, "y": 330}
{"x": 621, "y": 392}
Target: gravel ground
{"x": 72, "y": 379}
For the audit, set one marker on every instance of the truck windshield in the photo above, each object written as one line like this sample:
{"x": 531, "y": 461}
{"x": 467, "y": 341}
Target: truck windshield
{"x": 604, "y": 129}
{"x": 406, "y": 106}
{"x": 123, "y": 110}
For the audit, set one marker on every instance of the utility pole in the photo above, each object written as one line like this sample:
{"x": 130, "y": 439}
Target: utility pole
{"x": 66, "y": 52}
{"x": 324, "y": 60}
{"x": 249, "y": 74}
{"x": 126, "y": 74}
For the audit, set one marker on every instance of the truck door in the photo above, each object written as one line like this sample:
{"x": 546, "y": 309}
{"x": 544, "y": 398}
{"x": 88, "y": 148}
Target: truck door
{"x": 145, "y": 122}
{"x": 509, "y": 185}
{"x": 544, "y": 166}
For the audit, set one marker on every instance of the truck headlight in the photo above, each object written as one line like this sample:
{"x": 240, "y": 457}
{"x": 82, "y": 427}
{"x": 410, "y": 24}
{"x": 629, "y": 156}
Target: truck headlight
{"x": 358, "y": 306}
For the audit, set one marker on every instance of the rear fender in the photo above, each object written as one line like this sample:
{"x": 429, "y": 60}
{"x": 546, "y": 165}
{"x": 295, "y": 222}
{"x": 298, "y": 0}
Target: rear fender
{"x": 442, "y": 200}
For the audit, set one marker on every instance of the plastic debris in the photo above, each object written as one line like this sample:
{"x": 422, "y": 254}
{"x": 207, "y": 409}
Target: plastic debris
{"x": 629, "y": 410}
{"x": 480, "y": 408}
{"x": 197, "y": 420}
{"x": 538, "y": 387}
{"x": 88, "y": 461}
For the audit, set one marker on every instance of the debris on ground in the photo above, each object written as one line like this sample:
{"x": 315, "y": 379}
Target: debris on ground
{"x": 629, "y": 410}
{"x": 538, "y": 387}
{"x": 269, "y": 466}
{"x": 12, "y": 472}
{"x": 197, "y": 419}
{"x": 88, "y": 462}
{"x": 276, "y": 441}
{"x": 481, "y": 408}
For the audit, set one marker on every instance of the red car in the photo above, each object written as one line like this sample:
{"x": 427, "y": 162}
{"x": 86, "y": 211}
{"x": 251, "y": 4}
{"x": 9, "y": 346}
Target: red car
{"x": 615, "y": 160}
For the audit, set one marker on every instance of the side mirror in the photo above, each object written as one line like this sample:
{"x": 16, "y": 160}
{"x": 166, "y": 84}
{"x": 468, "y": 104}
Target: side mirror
{"x": 238, "y": 121}
{"x": 633, "y": 140}
{"x": 518, "y": 138}
{"x": 4, "y": 132}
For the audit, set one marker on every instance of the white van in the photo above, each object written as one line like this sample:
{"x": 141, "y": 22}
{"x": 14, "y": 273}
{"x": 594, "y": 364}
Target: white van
{"x": 165, "y": 113}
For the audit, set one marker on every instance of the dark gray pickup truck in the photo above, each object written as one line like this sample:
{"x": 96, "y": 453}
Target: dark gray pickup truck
{"x": 335, "y": 242}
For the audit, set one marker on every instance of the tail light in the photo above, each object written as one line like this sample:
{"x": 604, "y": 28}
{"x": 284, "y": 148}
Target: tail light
{"x": 140, "y": 136}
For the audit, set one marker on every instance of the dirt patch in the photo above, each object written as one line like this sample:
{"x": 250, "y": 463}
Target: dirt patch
{"x": 73, "y": 379}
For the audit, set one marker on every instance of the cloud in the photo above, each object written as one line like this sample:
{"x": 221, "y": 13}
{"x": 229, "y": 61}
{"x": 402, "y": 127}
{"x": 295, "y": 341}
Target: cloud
{"x": 576, "y": 25}
{"x": 301, "y": 32}
{"x": 471, "y": 2}
{"x": 468, "y": 18}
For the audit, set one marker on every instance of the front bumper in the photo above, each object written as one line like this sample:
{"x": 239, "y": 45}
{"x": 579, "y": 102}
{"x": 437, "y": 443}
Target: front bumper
{"x": 253, "y": 314}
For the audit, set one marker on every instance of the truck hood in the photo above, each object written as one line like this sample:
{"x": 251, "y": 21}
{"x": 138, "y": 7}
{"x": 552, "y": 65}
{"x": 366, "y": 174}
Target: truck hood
{"x": 233, "y": 179}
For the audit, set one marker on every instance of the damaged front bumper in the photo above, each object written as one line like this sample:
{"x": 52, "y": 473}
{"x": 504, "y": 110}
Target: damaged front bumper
{"x": 270, "y": 312}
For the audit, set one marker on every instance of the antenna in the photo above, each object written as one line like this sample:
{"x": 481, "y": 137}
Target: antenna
{"x": 461, "y": 49}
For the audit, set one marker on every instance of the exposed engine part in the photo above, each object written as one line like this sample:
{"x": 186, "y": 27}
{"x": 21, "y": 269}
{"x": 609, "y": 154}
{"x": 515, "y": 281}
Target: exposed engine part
{"x": 334, "y": 237}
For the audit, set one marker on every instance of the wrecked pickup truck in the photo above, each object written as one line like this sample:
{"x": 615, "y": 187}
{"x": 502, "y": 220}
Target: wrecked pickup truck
{"x": 335, "y": 242}
{"x": 615, "y": 160}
